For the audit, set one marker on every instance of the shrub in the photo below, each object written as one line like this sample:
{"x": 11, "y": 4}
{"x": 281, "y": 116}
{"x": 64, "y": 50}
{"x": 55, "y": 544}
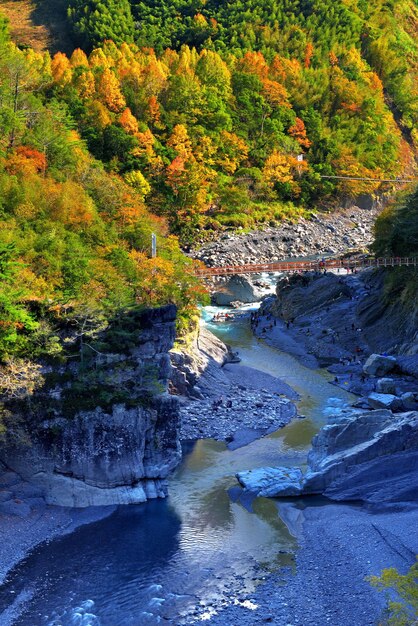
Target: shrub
{"x": 403, "y": 612}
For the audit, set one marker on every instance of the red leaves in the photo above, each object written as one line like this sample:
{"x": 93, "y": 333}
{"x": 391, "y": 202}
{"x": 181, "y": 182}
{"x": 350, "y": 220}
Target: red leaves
{"x": 25, "y": 160}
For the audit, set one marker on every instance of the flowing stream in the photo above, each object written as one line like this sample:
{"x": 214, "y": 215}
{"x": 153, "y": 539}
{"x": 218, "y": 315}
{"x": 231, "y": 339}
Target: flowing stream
{"x": 178, "y": 560}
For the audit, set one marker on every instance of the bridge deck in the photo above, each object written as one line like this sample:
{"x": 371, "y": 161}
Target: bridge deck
{"x": 302, "y": 266}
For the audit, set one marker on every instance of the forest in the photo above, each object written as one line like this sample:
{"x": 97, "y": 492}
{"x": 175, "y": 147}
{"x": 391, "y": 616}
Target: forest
{"x": 185, "y": 119}
{"x": 75, "y": 239}
{"x": 265, "y": 98}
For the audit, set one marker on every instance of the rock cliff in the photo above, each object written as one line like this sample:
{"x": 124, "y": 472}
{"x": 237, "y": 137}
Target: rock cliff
{"x": 105, "y": 431}
{"x": 339, "y": 312}
{"x": 370, "y": 456}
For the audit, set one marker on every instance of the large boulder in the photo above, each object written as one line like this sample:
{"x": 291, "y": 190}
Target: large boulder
{"x": 379, "y": 365}
{"x": 344, "y": 444}
{"x": 236, "y": 288}
{"x": 384, "y": 401}
{"x": 410, "y": 401}
{"x": 368, "y": 455}
{"x": 386, "y": 385}
{"x": 272, "y": 481}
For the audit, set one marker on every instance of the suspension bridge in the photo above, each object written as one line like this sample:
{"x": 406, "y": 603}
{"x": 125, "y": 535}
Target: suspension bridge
{"x": 291, "y": 266}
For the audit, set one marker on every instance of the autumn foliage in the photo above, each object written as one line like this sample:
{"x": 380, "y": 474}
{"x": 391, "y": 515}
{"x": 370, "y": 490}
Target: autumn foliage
{"x": 75, "y": 239}
{"x": 208, "y": 138}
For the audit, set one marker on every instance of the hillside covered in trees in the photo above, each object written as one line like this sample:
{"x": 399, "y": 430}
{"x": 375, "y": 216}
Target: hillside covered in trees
{"x": 184, "y": 118}
{"x": 216, "y": 103}
{"x": 75, "y": 240}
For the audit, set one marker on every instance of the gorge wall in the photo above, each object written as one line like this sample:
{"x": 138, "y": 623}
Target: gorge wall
{"x": 106, "y": 431}
{"x": 355, "y": 310}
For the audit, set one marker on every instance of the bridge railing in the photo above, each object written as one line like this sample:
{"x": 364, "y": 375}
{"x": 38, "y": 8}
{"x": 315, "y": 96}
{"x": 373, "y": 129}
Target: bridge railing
{"x": 314, "y": 265}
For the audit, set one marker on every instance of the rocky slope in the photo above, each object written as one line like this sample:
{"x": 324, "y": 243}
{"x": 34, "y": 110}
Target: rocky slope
{"x": 332, "y": 233}
{"x": 336, "y": 316}
{"x": 108, "y": 433}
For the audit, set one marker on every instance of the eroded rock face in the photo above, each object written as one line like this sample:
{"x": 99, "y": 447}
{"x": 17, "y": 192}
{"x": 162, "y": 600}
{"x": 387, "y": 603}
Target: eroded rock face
{"x": 117, "y": 452}
{"x": 343, "y": 445}
{"x": 200, "y": 364}
{"x": 369, "y": 455}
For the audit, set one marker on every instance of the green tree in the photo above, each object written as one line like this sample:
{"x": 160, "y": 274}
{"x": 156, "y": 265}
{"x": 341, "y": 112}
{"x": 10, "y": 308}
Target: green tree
{"x": 96, "y": 20}
{"x": 396, "y": 230}
{"x": 16, "y": 322}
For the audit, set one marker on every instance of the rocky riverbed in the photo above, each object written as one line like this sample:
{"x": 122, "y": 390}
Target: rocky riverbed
{"x": 244, "y": 412}
{"x": 341, "y": 546}
{"x": 224, "y": 400}
{"x": 325, "y": 233}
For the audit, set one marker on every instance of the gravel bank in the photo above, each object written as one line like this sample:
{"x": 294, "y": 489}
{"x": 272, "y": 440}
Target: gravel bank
{"x": 325, "y": 233}
{"x": 340, "y": 546}
{"x": 252, "y": 404}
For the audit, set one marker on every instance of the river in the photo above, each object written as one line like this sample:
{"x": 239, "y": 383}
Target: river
{"x": 178, "y": 560}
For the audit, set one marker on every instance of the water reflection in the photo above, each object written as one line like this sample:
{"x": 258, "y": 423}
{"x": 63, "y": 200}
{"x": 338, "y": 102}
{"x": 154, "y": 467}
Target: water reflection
{"x": 108, "y": 561}
{"x": 166, "y": 560}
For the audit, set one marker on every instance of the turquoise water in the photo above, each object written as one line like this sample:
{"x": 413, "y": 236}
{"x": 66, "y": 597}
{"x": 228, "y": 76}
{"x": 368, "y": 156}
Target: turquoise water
{"x": 175, "y": 561}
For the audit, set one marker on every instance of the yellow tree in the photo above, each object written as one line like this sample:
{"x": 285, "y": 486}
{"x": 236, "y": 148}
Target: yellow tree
{"x": 180, "y": 142}
{"x": 232, "y": 152}
{"x": 85, "y": 85}
{"x": 277, "y": 169}
{"x": 97, "y": 114}
{"x": 138, "y": 181}
{"x": 98, "y": 59}
{"x": 281, "y": 169}
{"x": 61, "y": 69}
{"x": 275, "y": 94}
{"x": 346, "y": 164}
{"x": 109, "y": 90}
{"x": 79, "y": 58}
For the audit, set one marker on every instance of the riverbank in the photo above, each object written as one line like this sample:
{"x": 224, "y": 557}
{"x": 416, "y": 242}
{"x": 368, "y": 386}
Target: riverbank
{"x": 340, "y": 546}
{"x": 33, "y": 523}
{"x": 323, "y": 321}
{"x": 248, "y": 406}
